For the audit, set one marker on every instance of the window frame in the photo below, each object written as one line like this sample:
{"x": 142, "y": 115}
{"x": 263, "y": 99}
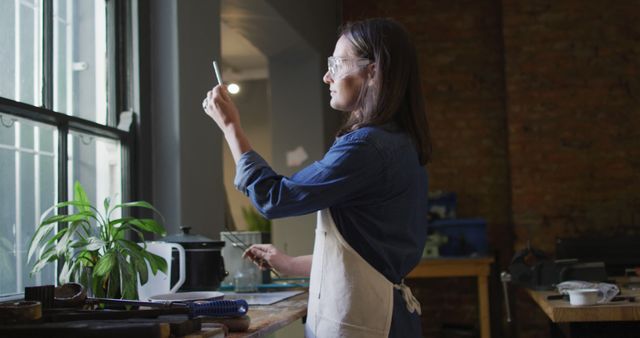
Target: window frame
{"x": 122, "y": 92}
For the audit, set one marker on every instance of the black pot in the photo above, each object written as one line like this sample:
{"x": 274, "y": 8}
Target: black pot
{"x": 204, "y": 266}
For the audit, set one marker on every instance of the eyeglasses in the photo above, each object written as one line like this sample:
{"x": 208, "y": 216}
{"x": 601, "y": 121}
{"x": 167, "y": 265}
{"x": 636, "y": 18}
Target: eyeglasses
{"x": 336, "y": 65}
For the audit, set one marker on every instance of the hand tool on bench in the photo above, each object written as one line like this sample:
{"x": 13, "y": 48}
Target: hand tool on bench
{"x": 212, "y": 308}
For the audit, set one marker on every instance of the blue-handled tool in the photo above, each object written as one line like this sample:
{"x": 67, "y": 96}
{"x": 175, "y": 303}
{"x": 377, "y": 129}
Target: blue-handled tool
{"x": 210, "y": 308}
{"x": 219, "y": 308}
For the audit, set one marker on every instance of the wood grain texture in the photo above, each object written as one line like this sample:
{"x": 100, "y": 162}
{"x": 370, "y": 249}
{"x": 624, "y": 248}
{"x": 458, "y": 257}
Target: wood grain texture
{"x": 269, "y": 318}
{"x": 452, "y": 267}
{"x": 560, "y": 311}
{"x": 479, "y": 267}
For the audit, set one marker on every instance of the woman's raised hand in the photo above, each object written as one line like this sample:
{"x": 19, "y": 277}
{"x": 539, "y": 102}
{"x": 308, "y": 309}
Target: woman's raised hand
{"x": 219, "y": 106}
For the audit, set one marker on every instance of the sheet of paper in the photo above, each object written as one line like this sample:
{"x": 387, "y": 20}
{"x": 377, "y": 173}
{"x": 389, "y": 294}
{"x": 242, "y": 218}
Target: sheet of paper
{"x": 296, "y": 157}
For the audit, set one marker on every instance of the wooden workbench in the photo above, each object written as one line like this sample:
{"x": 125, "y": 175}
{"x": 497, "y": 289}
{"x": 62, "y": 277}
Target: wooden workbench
{"x": 269, "y": 318}
{"x": 560, "y": 311}
{"x": 462, "y": 267}
{"x": 620, "y": 319}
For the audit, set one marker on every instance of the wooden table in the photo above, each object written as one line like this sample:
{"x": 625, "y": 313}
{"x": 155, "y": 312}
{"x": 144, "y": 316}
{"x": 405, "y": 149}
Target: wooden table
{"x": 560, "y": 311}
{"x": 269, "y": 318}
{"x": 616, "y": 319}
{"x": 462, "y": 267}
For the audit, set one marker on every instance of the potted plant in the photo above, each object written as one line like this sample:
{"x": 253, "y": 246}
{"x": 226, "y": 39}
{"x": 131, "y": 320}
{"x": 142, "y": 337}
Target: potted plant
{"x": 94, "y": 248}
{"x": 255, "y": 221}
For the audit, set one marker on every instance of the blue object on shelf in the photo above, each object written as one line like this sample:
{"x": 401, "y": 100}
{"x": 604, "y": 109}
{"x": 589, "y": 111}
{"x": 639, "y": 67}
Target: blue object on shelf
{"x": 466, "y": 236}
{"x": 442, "y": 205}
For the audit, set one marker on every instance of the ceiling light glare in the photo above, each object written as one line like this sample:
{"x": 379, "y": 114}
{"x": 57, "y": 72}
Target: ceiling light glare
{"x": 233, "y": 88}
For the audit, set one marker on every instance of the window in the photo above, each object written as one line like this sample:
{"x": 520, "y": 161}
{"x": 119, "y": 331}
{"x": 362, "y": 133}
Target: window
{"x": 21, "y": 54}
{"x": 58, "y": 107}
{"x": 28, "y": 184}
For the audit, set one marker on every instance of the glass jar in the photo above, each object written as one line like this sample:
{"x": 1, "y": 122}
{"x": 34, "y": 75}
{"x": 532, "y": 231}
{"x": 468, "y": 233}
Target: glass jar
{"x": 245, "y": 278}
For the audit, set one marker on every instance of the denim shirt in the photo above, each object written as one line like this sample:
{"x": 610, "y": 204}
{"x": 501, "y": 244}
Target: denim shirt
{"x": 376, "y": 189}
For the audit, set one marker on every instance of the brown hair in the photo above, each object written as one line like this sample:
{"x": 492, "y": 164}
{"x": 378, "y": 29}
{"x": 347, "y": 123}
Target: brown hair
{"x": 396, "y": 93}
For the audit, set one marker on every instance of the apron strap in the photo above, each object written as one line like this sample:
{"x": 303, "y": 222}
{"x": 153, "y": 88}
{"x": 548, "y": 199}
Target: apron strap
{"x": 412, "y": 303}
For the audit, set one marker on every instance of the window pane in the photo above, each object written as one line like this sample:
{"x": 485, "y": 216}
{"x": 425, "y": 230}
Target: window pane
{"x": 80, "y": 59}
{"x": 28, "y": 176}
{"x": 21, "y": 53}
{"x": 95, "y": 162}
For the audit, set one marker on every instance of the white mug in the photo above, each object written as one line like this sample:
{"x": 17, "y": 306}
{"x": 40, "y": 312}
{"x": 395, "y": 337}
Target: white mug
{"x": 160, "y": 283}
{"x": 583, "y": 296}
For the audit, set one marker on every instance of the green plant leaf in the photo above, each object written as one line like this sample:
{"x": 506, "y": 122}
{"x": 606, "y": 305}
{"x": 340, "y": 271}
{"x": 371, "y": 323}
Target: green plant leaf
{"x": 48, "y": 247}
{"x": 46, "y": 257}
{"x": 97, "y": 287}
{"x": 122, "y": 220}
{"x": 112, "y": 281}
{"x": 79, "y": 216}
{"x": 43, "y": 216}
{"x": 105, "y": 264}
{"x": 45, "y": 228}
{"x": 81, "y": 196}
{"x": 53, "y": 219}
{"x": 139, "y": 204}
{"x": 72, "y": 203}
{"x": 255, "y": 220}
{"x": 107, "y": 201}
{"x": 156, "y": 262}
{"x": 65, "y": 273}
{"x": 76, "y": 269}
{"x": 129, "y": 279}
{"x": 52, "y": 241}
{"x": 139, "y": 252}
{"x": 41, "y": 233}
{"x": 120, "y": 225}
{"x": 63, "y": 244}
{"x": 86, "y": 258}
{"x": 141, "y": 267}
{"x": 148, "y": 224}
{"x": 95, "y": 243}
{"x": 140, "y": 235}
{"x": 129, "y": 246}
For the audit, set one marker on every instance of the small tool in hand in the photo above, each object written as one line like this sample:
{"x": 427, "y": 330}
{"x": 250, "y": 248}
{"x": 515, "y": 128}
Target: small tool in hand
{"x": 262, "y": 263}
{"x": 217, "y": 71}
{"x": 218, "y": 77}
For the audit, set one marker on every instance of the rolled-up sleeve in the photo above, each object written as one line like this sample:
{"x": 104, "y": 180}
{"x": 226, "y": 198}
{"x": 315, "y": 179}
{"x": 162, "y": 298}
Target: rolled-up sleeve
{"x": 249, "y": 163}
{"x": 346, "y": 172}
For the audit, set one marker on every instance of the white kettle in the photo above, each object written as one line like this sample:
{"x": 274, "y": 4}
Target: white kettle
{"x": 160, "y": 283}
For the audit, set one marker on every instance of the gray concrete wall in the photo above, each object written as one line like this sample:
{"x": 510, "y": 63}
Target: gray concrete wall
{"x": 297, "y": 119}
{"x": 187, "y": 154}
{"x": 317, "y": 22}
{"x": 255, "y": 115}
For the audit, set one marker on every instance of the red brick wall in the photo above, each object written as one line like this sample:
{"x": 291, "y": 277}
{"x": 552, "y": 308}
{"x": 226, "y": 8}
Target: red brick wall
{"x": 535, "y": 114}
{"x": 572, "y": 71}
{"x": 573, "y": 82}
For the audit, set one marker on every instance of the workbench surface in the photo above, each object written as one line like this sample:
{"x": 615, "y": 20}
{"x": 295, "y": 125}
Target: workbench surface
{"x": 266, "y": 319}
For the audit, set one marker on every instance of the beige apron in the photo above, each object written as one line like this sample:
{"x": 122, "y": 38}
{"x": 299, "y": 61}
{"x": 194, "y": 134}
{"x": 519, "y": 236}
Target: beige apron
{"x": 347, "y": 296}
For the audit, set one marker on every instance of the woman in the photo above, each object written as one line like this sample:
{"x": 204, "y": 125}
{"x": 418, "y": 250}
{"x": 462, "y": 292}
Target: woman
{"x": 369, "y": 190}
